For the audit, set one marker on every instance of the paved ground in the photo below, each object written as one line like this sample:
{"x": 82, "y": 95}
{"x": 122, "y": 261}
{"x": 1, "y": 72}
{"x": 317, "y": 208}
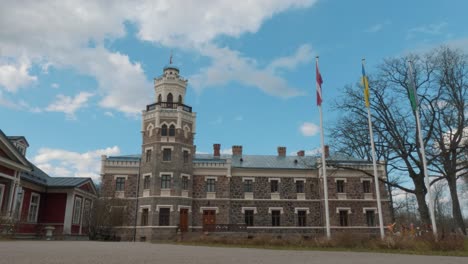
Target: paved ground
{"x": 42, "y": 252}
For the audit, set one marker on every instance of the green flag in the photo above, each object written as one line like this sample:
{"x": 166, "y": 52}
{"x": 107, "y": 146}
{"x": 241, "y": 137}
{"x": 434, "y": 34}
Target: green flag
{"x": 413, "y": 95}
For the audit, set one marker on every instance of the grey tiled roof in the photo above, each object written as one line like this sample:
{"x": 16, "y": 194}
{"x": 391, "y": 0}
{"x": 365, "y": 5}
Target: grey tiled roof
{"x": 262, "y": 161}
{"x": 134, "y": 157}
{"x": 38, "y": 176}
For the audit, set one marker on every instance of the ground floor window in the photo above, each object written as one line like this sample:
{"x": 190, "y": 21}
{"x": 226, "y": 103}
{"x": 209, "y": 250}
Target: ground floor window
{"x": 77, "y": 211}
{"x": 301, "y": 218}
{"x": 33, "y": 207}
{"x": 249, "y": 217}
{"x": 164, "y": 216}
{"x": 370, "y": 218}
{"x": 275, "y": 217}
{"x": 344, "y": 218}
{"x": 144, "y": 217}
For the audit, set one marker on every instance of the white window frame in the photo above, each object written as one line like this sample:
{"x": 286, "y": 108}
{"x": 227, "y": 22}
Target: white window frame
{"x": 254, "y": 209}
{"x": 36, "y": 213}
{"x": 275, "y": 209}
{"x": 365, "y": 209}
{"x": 159, "y": 206}
{"x": 77, "y": 210}
{"x": 338, "y": 209}
{"x": 297, "y": 209}
{"x": 150, "y": 175}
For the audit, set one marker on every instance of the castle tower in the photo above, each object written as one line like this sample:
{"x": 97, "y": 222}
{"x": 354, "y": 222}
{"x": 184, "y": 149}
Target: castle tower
{"x": 168, "y": 130}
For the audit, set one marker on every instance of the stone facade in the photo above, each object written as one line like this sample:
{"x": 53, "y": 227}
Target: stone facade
{"x": 169, "y": 189}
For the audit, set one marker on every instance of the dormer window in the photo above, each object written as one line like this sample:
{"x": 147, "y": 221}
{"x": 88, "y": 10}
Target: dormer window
{"x": 172, "y": 131}
{"x": 164, "y": 130}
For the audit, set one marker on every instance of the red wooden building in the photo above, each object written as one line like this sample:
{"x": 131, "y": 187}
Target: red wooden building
{"x": 33, "y": 200}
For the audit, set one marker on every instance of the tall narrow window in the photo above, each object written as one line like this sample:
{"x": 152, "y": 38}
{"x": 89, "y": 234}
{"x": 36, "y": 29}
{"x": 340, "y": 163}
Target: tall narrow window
{"x": 146, "y": 182}
{"x": 249, "y": 217}
{"x": 301, "y": 218}
{"x": 366, "y": 186}
{"x": 165, "y": 181}
{"x": 148, "y": 155}
{"x": 159, "y": 98}
{"x": 340, "y": 186}
{"x": 169, "y": 98}
{"x": 77, "y": 211}
{"x": 210, "y": 185}
{"x": 164, "y": 130}
{"x": 300, "y": 186}
{"x": 185, "y": 183}
{"x": 180, "y": 99}
{"x": 274, "y": 186}
{"x": 248, "y": 186}
{"x": 167, "y": 154}
{"x": 344, "y": 218}
{"x": 120, "y": 184}
{"x": 144, "y": 216}
{"x": 171, "y": 130}
{"x": 186, "y": 156}
{"x": 275, "y": 217}
{"x": 164, "y": 216}
{"x": 33, "y": 207}
{"x": 370, "y": 218}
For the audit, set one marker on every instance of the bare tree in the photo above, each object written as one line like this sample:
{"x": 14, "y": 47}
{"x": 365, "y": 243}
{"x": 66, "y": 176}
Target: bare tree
{"x": 441, "y": 85}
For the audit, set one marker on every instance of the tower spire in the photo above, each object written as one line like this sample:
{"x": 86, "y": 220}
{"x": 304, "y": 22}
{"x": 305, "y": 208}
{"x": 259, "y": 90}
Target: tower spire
{"x": 170, "y": 59}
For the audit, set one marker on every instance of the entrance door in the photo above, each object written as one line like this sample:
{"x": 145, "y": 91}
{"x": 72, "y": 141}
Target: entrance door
{"x": 209, "y": 220}
{"x": 183, "y": 220}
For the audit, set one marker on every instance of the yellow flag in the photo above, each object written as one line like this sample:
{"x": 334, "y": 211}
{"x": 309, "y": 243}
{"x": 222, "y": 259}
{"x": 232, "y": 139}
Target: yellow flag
{"x": 365, "y": 83}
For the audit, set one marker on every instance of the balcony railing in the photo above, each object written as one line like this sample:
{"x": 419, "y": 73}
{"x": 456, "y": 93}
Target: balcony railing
{"x": 169, "y": 105}
{"x": 224, "y": 228}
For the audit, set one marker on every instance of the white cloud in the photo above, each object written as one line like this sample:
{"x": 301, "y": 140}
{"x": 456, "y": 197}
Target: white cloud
{"x": 309, "y": 129}
{"x": 229, "y": 66}
{"x": 55, "y": 85}
{"x": 64, "y": 163}
{"x": 375, "y": 28}
{"x": 431, "y": 29}
{"x": 69, "y": 105}
{"x": 19, "y": 105}
{"x": 109, "y": 114}
{"x": 227, "y": 151}
{"x": 239, "y": 118}
{"x": 12, "y": 76}
{"x": 72, "y": 33}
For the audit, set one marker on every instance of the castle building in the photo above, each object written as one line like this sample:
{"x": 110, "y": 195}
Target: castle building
{"x": 169, "y": 188}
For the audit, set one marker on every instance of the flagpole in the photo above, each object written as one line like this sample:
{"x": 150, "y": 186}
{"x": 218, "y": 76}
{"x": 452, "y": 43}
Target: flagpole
{"x": 374, "y": 161}
{"x": 324, "y": 169}
{"x": 423, "y": 154}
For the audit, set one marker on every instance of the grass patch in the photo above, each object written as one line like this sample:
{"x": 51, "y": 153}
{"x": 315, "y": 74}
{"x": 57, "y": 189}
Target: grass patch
{"x": 452, "y": 245}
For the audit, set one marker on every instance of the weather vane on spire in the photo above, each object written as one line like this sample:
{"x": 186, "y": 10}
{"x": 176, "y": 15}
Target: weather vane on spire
{"x": 170, "y": 58}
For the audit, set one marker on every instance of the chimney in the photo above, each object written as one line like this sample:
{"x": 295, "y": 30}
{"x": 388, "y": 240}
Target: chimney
{"x": 216, "y": 150}
{"x": 300, "y": 153}
{"x": 327, "y": 151}
{"x": 281, "y": 151}
{"x": 237, "y": 150}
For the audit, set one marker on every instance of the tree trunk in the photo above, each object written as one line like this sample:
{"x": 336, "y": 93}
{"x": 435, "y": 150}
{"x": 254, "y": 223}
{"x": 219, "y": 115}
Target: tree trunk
{"x": 421, "y": 199}
{"x": 456, "y": 210}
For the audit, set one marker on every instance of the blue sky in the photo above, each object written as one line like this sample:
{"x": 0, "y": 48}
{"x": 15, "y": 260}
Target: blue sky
{"x": 74, "y": 77}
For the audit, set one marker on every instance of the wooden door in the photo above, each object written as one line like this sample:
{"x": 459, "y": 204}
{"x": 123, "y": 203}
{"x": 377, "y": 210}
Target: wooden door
{"x": 209, "y": 220}
{"x": 183, "y": 220}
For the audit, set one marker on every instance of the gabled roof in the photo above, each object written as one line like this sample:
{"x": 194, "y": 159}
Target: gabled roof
{"x": 17, "y": 138}
{"x": 17, "y": 159}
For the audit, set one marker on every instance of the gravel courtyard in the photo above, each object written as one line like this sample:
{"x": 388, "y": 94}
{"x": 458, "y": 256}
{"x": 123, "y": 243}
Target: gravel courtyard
{"x": 49, "y": 252}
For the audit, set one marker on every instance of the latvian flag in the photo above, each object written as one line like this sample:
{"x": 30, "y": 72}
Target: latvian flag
{"x": 319, "y": 84}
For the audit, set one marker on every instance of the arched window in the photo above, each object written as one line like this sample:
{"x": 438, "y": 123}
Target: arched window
{"x": 172, "y": 131}
{"x": 164, "y": 130}
{"x": 169, "y": 98}
{"x": 180, "y": 99}
{"x": 159, "y": 98}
